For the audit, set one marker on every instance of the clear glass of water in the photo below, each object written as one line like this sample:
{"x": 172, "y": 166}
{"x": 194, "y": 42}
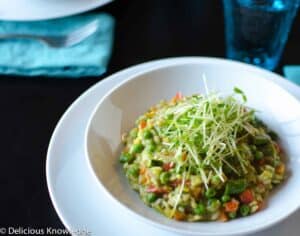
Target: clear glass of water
{"x": 257, "y": 30}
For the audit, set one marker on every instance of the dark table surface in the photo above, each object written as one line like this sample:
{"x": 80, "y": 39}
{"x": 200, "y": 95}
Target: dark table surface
{"x": 145, "y": 30}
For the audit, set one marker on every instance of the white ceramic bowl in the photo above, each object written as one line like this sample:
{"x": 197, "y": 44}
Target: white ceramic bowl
{"x": 118, "y": 110}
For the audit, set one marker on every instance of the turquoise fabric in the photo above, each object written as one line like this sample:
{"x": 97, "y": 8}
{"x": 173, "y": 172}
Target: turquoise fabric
{"x": 31, "y": 58}
{"x": 292, "y": 73}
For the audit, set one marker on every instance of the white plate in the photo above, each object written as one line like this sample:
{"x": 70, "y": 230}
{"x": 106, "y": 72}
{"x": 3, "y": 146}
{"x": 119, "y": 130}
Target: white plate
{"x": 73, "y": 190}
{"x": 24, "y": 10}
{"x": 116, "y": 114}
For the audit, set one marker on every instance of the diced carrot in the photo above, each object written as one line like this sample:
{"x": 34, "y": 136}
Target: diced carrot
{"x": 223, "y": 217}
{"x": 246, "y": 196}
{"x": 143, "y": 124}
{"x": 176, "y": 182}
{"x": 151, "y": 188}
{"x": 167, "y": 166}
{"x": 178, "y": 96}
{"x": 280, "y": 169}
{"x": 155, "y": 189}
{"x": 179, "y": 216}
{"x": 231, "y": 206}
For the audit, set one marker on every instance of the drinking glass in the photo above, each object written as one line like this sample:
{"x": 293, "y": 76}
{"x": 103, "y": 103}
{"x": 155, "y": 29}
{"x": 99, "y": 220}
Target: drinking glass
{"x": 257, "y": 30}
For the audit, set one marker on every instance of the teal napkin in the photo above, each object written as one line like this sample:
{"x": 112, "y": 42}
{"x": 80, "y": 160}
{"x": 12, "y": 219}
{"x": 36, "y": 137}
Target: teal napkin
{"x": 292, "y": 73}
{"x": 32, "y": 58}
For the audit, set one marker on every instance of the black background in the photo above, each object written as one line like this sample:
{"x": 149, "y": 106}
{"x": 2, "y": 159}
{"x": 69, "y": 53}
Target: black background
{"x": 31, "y": 107}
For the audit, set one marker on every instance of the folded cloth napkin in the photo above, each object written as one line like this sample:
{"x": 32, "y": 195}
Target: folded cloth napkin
{"x": 292, "y": 73}
{"x": 31, "y": 58}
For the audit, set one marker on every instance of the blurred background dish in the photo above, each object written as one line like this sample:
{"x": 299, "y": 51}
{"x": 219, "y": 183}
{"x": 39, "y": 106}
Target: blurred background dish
{"x": 20, "y": 10}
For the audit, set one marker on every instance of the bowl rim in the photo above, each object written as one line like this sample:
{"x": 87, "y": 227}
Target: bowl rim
{"x": 197, "y": 61}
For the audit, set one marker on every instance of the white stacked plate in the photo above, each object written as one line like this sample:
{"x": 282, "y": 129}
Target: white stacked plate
{"x": 24, "y": 10}
{"x": 80, "y": 203}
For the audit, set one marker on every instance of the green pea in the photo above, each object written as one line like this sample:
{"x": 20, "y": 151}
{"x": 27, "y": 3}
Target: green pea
{"x": 170, "y": 116}
{"x": 136, "y": 148}
{"x": 150, "y": 145}
{"x": 261, "y": 139}
{"x": 232, "y": 215}
{"x": 133, "y": 171}
{"x": 151, "y": 148}
{"x": 210, "y": 193}
{"x": 213, "y": 205}
{"x": 225, "y": 198}
{"x": 244, "y": 210}
{"x": 215, "y": 180}
{"x": 258, "y": 155}
{"x": 126, "y": 157}
{"x": 164, "y": 177}
{"x": 147, "y": 134}
{"x": 253, "y": 148}
{"x": 235, "y": 186}
{"x": 200, "y": 209}
{"x": 151, "y": 197}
